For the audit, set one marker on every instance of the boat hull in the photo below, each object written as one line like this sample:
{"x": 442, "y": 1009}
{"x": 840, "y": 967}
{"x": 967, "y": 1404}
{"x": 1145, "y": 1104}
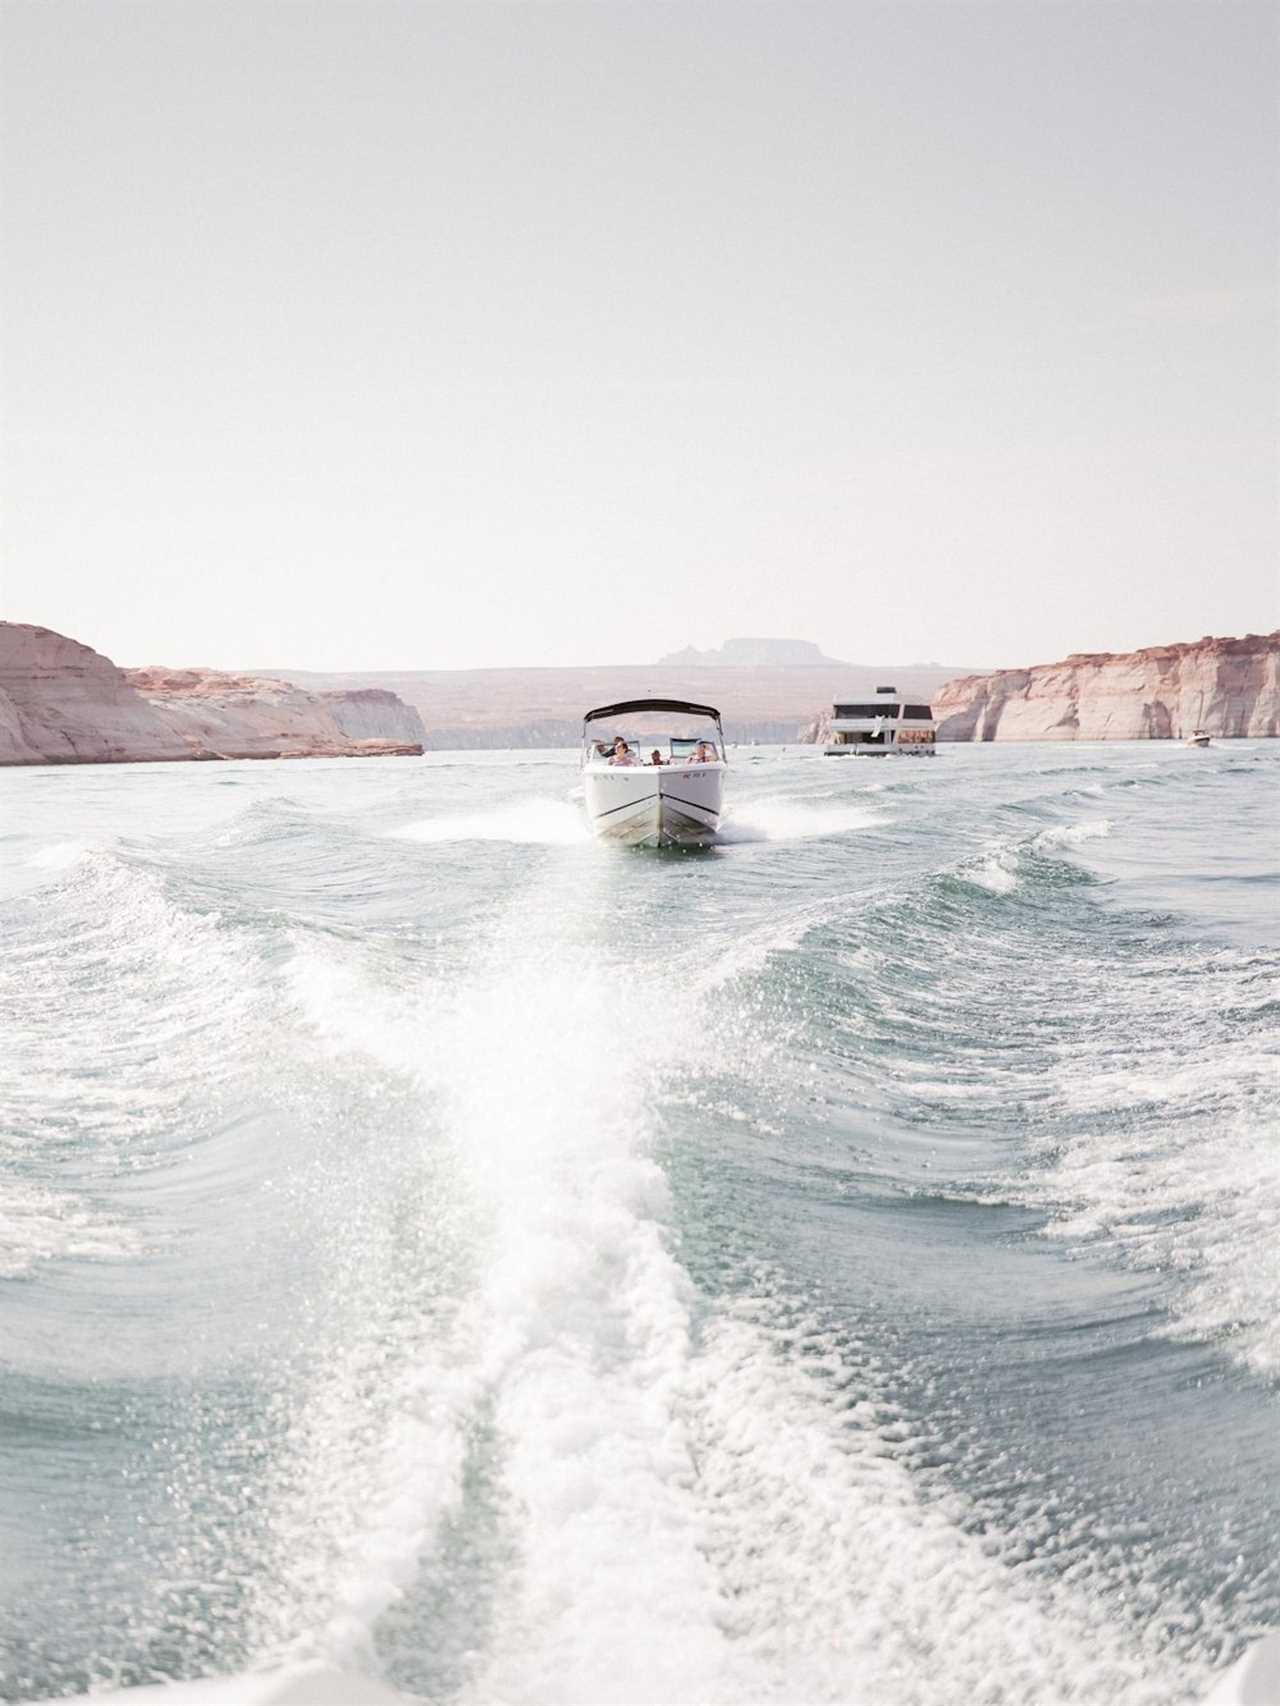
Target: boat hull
{"x": 652, "y": 807}
{"x": 879, "y": 752}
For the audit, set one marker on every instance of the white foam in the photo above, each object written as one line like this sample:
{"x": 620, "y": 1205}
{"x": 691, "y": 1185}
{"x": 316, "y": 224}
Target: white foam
{"x": 707, "y": 1510}
{"x": 782, "y": 819}
{"x": 586, "y": 1336}
{"x": 1157, "y": 1143}
{"x": 552, "y": 823}
{"x": 373, "y": 1466}
{"x": 843, "y": 1583}
{"x": 754, "y": 948}
{"x": 294, "y": 1685}
{"x": 1202, "y": 1208}
{"x": 1072, "y": 834}
{"x": 57, "y": 856}
{"x": 39, "y": 1224}
{"x": 996, "y": 870}
{"x": 574, "y": 1336}
{"x": 101, "y": 996}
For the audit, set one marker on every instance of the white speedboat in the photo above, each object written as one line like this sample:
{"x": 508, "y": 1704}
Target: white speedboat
{"x": 1197, "y": 737}
{"x": 649, "y": 787}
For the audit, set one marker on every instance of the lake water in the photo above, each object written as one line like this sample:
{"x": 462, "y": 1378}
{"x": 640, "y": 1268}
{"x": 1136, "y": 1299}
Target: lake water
{"x": 843, "y": 1265}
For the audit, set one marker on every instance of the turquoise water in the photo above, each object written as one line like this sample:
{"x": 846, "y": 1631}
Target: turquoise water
{"x": 841, "y": 1266}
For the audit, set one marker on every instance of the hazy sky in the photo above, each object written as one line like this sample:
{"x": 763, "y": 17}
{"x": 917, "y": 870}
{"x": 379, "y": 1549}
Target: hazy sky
{"x": 376, "y": 334}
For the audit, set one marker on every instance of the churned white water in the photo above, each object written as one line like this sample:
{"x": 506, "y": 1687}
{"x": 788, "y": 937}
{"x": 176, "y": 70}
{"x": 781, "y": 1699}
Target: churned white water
{"x": 836, "y": 1267}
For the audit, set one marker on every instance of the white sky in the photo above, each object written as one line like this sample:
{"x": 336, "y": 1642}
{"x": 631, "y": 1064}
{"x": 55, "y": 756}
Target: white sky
{"x": 377, "y": 335}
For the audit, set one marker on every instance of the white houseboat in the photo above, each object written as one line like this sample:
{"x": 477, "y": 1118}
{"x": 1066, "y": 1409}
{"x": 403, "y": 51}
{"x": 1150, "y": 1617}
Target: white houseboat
{"x": 887, "y": 722}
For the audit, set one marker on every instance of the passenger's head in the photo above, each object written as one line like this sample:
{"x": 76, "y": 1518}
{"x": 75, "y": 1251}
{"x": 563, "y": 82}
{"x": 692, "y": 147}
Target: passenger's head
{"x": 619, "y": 746}
{"x": 655, "y": 757}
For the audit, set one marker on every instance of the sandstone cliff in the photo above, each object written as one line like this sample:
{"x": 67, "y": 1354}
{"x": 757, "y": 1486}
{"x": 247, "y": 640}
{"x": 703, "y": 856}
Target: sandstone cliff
{"x": 374, "y": 713}
{"x": 253, "y": 716}
{"x": 63, "y": 703}
{"x": 1227, "y": 686}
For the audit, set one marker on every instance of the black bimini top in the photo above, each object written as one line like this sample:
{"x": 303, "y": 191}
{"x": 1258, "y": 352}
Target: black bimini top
{"x": 624, "y": 706}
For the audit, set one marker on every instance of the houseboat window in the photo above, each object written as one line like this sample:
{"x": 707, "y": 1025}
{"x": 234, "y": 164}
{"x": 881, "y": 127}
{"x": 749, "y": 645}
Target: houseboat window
{"x": 918, "y": 712}
{"x": 880, "y": 710}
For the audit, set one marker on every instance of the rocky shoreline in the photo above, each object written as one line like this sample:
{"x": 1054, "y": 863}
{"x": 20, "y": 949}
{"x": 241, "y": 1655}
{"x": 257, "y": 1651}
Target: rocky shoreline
{"x": 63, "y": 703}
{"x": 1227, "y": 687}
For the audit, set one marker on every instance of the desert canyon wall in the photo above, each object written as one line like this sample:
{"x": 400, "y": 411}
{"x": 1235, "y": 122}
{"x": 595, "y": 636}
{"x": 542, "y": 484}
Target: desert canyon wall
{"x": 63, "y": 703}
{"x": 1225, "y": 686}
{"x": 373, "y": 713}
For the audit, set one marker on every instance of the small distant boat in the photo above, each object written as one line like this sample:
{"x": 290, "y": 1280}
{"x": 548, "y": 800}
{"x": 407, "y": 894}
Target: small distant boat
{"x": 1198, "y": 736}
{"x": 883, "y": 725}
{"x": 674, "y": 802}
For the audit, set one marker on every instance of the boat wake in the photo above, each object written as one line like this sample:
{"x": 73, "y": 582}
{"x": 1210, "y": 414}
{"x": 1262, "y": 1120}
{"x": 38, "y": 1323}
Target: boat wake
{"x": 512, "y": 1287}
{"x": 650, "y": 1492}
{"x": 545, "y": 822}
{"x": 781, "y": 819}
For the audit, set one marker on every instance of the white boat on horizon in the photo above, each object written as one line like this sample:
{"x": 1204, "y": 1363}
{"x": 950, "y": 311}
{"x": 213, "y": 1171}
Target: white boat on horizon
{"x": 653, "y": 787}
{"x": 1197, "y": 737}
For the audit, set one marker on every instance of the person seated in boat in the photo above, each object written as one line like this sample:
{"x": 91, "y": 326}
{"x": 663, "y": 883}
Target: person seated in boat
{"x": 705, "y": 753}
{"x": 621, "y": 752}
{"x": 655, "y": 757}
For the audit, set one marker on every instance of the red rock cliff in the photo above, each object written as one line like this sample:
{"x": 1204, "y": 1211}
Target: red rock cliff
{"x": 251, "y": 716}
{"x": 63, "y": 703}
{"x": 1227, "y": 686}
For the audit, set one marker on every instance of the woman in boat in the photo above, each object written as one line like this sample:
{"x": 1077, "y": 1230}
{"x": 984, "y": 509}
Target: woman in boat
{"x": 621, "y": 752}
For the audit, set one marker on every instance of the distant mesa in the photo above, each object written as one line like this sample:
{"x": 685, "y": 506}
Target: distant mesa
{"x": 541, "y": 705}
{"x": 755, "y": 654}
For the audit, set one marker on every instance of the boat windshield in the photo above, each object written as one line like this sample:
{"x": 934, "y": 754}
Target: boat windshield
{"x": 656, "y": 731}
{"x": 671, "y": 749}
